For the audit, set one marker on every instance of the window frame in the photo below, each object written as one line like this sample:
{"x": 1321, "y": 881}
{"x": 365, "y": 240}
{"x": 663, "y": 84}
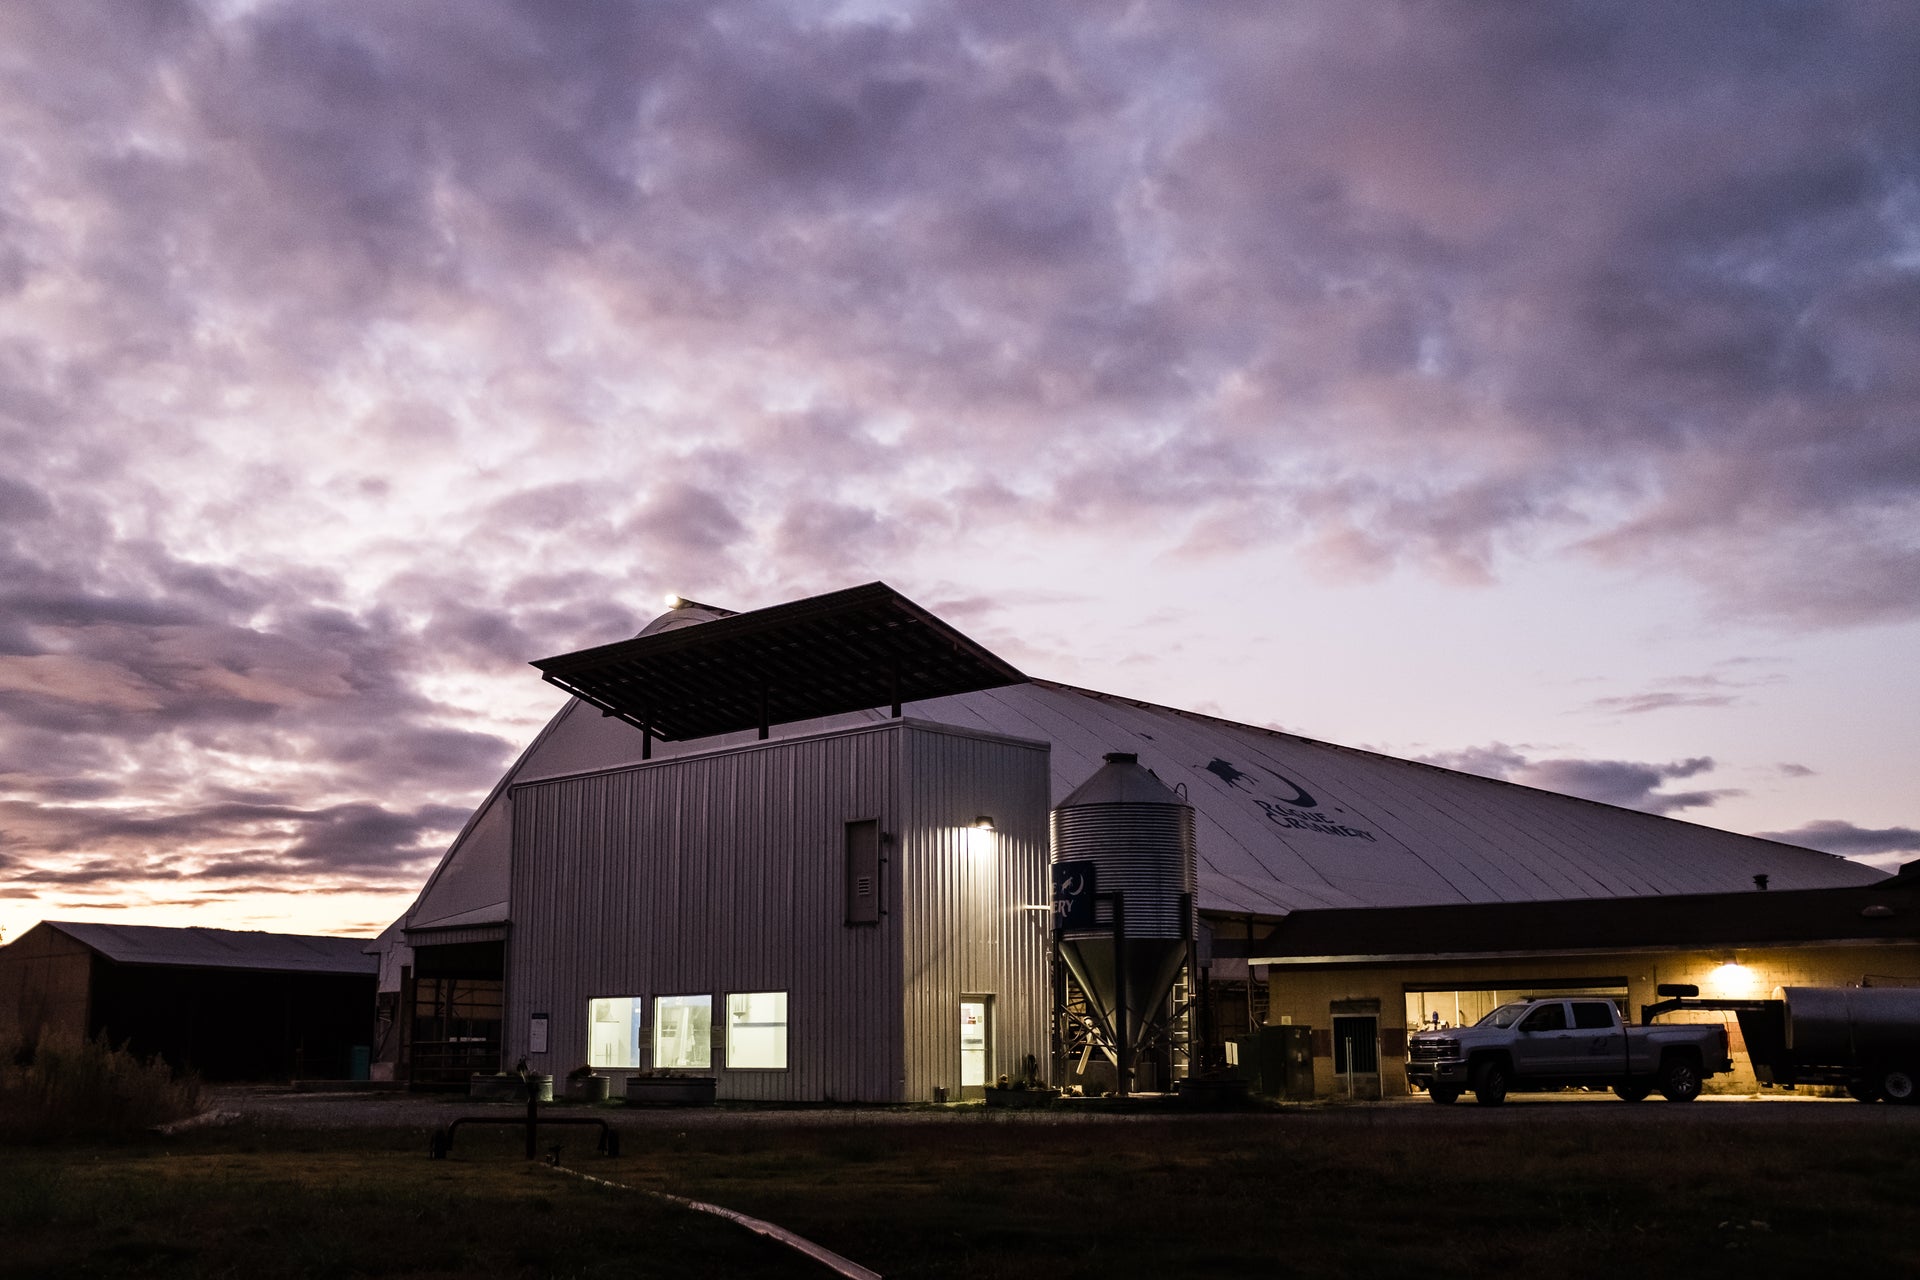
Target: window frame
{"x": 639, "y": 1006}
{"x": 786, "y": 1028}
{"x": 654, "y": 1041}
{"x": 1542, "y": 1018}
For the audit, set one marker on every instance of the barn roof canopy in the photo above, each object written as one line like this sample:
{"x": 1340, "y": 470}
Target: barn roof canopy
{"x": 849, "y": 650}
{"x": 1888, "y": 911}
{"x": 195, "y": 948}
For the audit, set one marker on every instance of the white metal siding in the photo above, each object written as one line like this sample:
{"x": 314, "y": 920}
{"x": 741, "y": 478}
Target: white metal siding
{"x": 968, "y": 931}
{"x": 724, "y": 873}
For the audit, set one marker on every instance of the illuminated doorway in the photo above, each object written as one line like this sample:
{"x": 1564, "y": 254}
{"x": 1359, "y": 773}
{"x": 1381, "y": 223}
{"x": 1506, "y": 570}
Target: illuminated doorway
{"x": 976, "y": 1045}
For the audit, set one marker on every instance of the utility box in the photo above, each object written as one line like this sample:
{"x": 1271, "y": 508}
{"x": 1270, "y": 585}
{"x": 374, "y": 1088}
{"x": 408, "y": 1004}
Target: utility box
{"x": 1285, "y": 1057}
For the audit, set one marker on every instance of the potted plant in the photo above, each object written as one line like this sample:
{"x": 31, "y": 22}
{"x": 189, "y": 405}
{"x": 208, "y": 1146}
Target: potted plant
{"x": 584, "y": 1086}
{"x": 1025, "y": 1092}
{"x": 670, "y": 1089}
{"x": 493, "y": 1086}
{"x": 510, "y": 1086}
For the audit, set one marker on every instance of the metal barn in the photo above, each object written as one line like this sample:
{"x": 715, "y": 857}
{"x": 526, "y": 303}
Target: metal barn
{"x": 669, "y": 859}
{"x": 230, "y": 1004}
{"x": 756, "y": 913}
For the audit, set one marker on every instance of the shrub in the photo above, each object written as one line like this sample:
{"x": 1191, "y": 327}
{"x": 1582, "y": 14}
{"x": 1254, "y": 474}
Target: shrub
{"x": 65, "y": 1088}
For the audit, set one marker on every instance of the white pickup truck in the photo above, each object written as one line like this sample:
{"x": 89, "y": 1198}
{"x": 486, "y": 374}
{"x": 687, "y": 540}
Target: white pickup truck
{"x": 1552, "y": 1043}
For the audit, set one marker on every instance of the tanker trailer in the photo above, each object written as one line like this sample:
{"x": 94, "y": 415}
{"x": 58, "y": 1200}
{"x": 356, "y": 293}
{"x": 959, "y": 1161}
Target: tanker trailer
{"x": 1865, "y": 1040}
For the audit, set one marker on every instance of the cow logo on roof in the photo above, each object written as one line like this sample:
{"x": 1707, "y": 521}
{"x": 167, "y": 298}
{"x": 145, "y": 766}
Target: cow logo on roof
{"x": 1300, "y": 811}
{"x": 1227, "y": 773}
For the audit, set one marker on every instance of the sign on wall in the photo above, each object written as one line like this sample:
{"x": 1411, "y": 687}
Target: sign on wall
{"x": 537, "y": 1034}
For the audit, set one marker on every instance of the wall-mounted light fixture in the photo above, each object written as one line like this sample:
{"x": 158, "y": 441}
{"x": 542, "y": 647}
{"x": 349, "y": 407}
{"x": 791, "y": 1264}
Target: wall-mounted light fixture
{"x": 1730, "y": 980}
{"x": 981, "y": 837}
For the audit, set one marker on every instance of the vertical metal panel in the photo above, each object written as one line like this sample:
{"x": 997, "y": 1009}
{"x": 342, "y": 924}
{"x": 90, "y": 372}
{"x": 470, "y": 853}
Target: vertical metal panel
{"x": 968, "y": 929}
{"x": 725, "y": 873}
{"x": 710, "y": 875}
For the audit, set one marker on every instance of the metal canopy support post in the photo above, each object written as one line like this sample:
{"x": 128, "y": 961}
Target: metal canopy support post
{"x": 1059, "y": 976}
{"x": 1196, "y": 1050}
{"x": 1251, "y": 1028}
{"x": 893, "y": 681}
{"x": 763, "y": 711}
{"x": 1122, "y": 1032}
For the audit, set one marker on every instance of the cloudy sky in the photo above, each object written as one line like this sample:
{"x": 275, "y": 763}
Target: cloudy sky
{"x": 1529, "y": 388}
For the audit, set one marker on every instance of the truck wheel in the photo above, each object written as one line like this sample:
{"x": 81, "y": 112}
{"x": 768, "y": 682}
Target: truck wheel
{"x": 1897, "y": 1085}
{"x": 1490, "y": 1083}
{"x": 1443, "y": 1093}
{"x": 1635, "y": 1092}
{"x": 1679, "y": 1080}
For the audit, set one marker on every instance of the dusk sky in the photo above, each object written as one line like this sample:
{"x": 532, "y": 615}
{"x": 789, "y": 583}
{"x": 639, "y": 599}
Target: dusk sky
{"x": 1533, "y": 389}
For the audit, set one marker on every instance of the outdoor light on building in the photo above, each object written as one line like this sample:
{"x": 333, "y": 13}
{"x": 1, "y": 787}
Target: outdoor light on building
{"x": 981, "y": 837}
{"x": 674, "y": 601}
{"x": 1730, "y": 980}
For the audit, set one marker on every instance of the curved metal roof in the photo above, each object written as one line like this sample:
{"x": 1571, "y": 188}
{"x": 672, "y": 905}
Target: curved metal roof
{"x": 1284, "y": 823}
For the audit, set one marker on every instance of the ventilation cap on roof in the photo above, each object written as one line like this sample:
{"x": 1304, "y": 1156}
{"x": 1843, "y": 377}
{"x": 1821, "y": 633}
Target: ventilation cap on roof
{"x": 1122, "y": 780}
{"x": 685, "y": 614}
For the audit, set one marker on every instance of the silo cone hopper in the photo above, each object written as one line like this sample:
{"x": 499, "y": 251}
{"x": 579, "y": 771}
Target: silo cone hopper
{"x": 1124, "y": 840}
{"x": 1152, "y": 966}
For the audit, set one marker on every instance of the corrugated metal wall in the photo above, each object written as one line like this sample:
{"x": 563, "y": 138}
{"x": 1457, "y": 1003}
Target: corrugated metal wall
{"x": 46, "y": 984}
{"x": 724, "y": 873}
{"x": 968, "y": 930}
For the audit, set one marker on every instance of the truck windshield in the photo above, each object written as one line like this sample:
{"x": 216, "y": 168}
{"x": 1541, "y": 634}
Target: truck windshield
{"x": 1505, "y": 1016}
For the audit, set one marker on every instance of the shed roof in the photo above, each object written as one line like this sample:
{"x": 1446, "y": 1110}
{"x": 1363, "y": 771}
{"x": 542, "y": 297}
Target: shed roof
{"x": 197, "y": 948}
{"x": 844, "y": 651}
{"x": 1888, "y": 911}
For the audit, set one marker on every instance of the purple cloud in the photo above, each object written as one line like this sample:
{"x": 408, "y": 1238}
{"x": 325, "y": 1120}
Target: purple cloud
{"x": 1629, "y": 783}
{"x": 1885, "y": 847}
{"x": 354, "y": 355}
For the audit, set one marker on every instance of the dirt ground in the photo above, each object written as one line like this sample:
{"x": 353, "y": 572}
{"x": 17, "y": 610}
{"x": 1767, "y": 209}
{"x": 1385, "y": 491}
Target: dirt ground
{"x": 279, "y": 1106}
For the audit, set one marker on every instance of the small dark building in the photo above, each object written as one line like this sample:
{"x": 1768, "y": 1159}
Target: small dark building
{"x": 231, "y": 1005}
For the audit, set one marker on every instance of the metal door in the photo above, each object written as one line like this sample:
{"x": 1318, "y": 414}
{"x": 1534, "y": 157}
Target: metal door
{"x": 1543, "y": 1042}
{"x": 976, "y": 1045}
{"x": 1356, "y": 1054}
{"x": 1598, "y": 1046}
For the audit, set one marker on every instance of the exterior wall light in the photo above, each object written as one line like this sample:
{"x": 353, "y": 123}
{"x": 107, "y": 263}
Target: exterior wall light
{"x": 1731, "y": 980}
{"x": 981, "y": 837}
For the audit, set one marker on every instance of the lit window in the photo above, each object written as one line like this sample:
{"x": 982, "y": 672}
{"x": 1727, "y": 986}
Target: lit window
{"x": 613, "y": 1031}
{"x": 682, "y": 1032}
{"x": 757, "y": 1030}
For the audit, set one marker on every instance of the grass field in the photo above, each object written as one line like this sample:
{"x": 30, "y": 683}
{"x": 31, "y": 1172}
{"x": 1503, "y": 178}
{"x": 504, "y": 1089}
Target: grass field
{"x": 1361, "y": 1192}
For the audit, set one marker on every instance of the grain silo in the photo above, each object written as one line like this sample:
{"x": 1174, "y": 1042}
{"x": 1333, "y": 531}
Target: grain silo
{"x": 1123, "y": 874}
